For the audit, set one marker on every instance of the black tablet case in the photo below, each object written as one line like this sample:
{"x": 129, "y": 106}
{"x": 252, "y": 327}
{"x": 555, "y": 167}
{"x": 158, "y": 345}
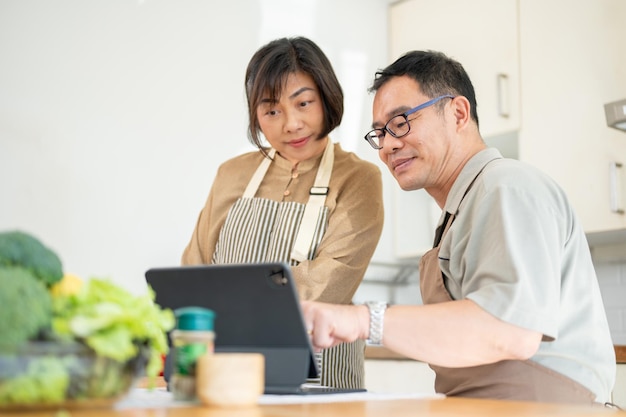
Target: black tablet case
{"x": 257, "y": 310}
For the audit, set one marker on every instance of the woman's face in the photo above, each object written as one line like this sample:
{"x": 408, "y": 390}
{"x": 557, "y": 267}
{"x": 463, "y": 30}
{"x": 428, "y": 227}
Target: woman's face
{"x": 293, "y": 123}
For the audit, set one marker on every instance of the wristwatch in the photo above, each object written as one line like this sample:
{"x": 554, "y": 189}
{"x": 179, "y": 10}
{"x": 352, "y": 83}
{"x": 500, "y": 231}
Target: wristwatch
{"x": 377, "y": 318}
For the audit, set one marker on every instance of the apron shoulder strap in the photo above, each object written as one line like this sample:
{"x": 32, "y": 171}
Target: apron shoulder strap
{"x": 317, "y": 198}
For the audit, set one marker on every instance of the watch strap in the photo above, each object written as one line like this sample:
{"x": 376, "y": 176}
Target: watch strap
{"x": 377, "y": 318}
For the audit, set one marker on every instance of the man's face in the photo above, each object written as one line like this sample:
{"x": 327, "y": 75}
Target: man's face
{"x": 416, "y": 160}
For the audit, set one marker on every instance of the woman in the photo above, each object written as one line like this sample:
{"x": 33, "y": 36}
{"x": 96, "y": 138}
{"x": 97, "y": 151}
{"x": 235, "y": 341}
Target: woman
{"x": 304, "y": 200}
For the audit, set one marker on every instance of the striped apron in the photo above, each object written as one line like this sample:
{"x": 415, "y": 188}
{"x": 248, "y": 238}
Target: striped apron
{"x": 263, "y": 230}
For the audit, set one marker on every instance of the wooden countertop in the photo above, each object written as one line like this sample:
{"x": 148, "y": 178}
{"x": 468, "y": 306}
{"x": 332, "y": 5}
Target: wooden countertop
{"x": 379, "y": 352}
{"x": 443, "y": 407}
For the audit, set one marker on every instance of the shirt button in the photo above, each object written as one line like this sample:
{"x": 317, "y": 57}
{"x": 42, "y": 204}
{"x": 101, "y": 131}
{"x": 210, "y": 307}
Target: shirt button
{"x": 286, "y": 193}
{"x": 294, "y": 175}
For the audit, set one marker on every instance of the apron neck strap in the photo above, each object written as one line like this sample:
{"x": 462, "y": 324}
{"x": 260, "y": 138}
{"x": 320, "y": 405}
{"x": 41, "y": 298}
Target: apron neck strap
{"x": 259, "y": 174}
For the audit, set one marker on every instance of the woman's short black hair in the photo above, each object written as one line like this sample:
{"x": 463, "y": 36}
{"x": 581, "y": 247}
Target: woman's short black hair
{"x": 269, "y": 68}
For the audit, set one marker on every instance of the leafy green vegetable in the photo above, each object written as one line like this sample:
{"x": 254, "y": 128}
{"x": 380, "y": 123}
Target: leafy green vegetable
{"x": 25, "y": 306}
{"x": 18, "y": 248}
{"x": 114, "y": 323}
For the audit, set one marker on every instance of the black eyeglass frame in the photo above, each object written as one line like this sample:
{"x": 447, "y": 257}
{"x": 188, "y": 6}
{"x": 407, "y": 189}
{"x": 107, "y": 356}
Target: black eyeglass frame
{"x": 369, "y": 137}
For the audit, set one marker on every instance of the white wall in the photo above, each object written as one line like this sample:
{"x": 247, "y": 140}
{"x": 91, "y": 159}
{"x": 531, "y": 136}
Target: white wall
{"x": 114, "y": 114}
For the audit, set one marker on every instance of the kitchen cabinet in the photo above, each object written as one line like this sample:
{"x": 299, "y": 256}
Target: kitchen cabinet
{"x": 542, "y": 72}
{"x": 619, "y": 391}
{"x": 398, "y": 376}
{"x": 571, "y": 65}
{"x": 416, "y": 215}
{"x": 486, "y": 46}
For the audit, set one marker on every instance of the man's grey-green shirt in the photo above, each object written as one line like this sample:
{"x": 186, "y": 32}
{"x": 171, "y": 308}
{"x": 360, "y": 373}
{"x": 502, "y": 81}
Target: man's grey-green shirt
{"x": 517, "y": 249}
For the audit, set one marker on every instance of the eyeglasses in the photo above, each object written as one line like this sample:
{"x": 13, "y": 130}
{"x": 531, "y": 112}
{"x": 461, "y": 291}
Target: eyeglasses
{"x": 399, "y": 125}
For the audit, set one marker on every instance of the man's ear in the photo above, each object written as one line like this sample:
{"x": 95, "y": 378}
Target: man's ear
{"x": 462, "y": 111}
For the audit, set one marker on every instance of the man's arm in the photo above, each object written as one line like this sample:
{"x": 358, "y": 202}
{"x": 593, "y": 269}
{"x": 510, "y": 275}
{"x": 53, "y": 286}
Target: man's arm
{"x": 452, "y": 334}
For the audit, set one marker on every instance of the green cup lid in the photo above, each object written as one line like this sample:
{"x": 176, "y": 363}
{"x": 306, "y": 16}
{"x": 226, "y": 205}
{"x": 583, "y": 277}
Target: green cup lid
{"x": 194, "y": 318}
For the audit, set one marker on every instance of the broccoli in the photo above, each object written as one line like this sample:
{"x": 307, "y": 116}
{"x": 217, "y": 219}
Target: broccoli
{"x": 21, "y": 249}
{"x": 25, "y": 306}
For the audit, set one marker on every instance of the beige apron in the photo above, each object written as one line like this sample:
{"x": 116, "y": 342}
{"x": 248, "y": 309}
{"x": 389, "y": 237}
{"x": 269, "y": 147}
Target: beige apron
{"x": 508, "y": 379}
{"x": 263, "y": 230}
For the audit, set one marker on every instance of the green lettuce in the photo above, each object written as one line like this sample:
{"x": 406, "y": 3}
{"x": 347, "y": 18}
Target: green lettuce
{"x": 114, "y": 322}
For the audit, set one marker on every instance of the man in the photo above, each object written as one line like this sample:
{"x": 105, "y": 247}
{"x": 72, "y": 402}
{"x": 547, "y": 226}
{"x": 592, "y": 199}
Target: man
{"x": 512, "y": 307}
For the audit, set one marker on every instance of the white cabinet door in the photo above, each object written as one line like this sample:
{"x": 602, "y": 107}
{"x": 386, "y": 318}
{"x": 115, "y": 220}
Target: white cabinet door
{"x": 572, "y": 63}
{"x": 415, "y": 218}
{"x": 399, "y": 376}
{"x": 619, "y": 391}
{"x": 482, "y": 35}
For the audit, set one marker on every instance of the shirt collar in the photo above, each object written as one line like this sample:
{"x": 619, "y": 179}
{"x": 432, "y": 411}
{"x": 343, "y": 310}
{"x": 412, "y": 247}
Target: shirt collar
{"x": 471, "y": 169}
{"x": 303, "y": 166}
